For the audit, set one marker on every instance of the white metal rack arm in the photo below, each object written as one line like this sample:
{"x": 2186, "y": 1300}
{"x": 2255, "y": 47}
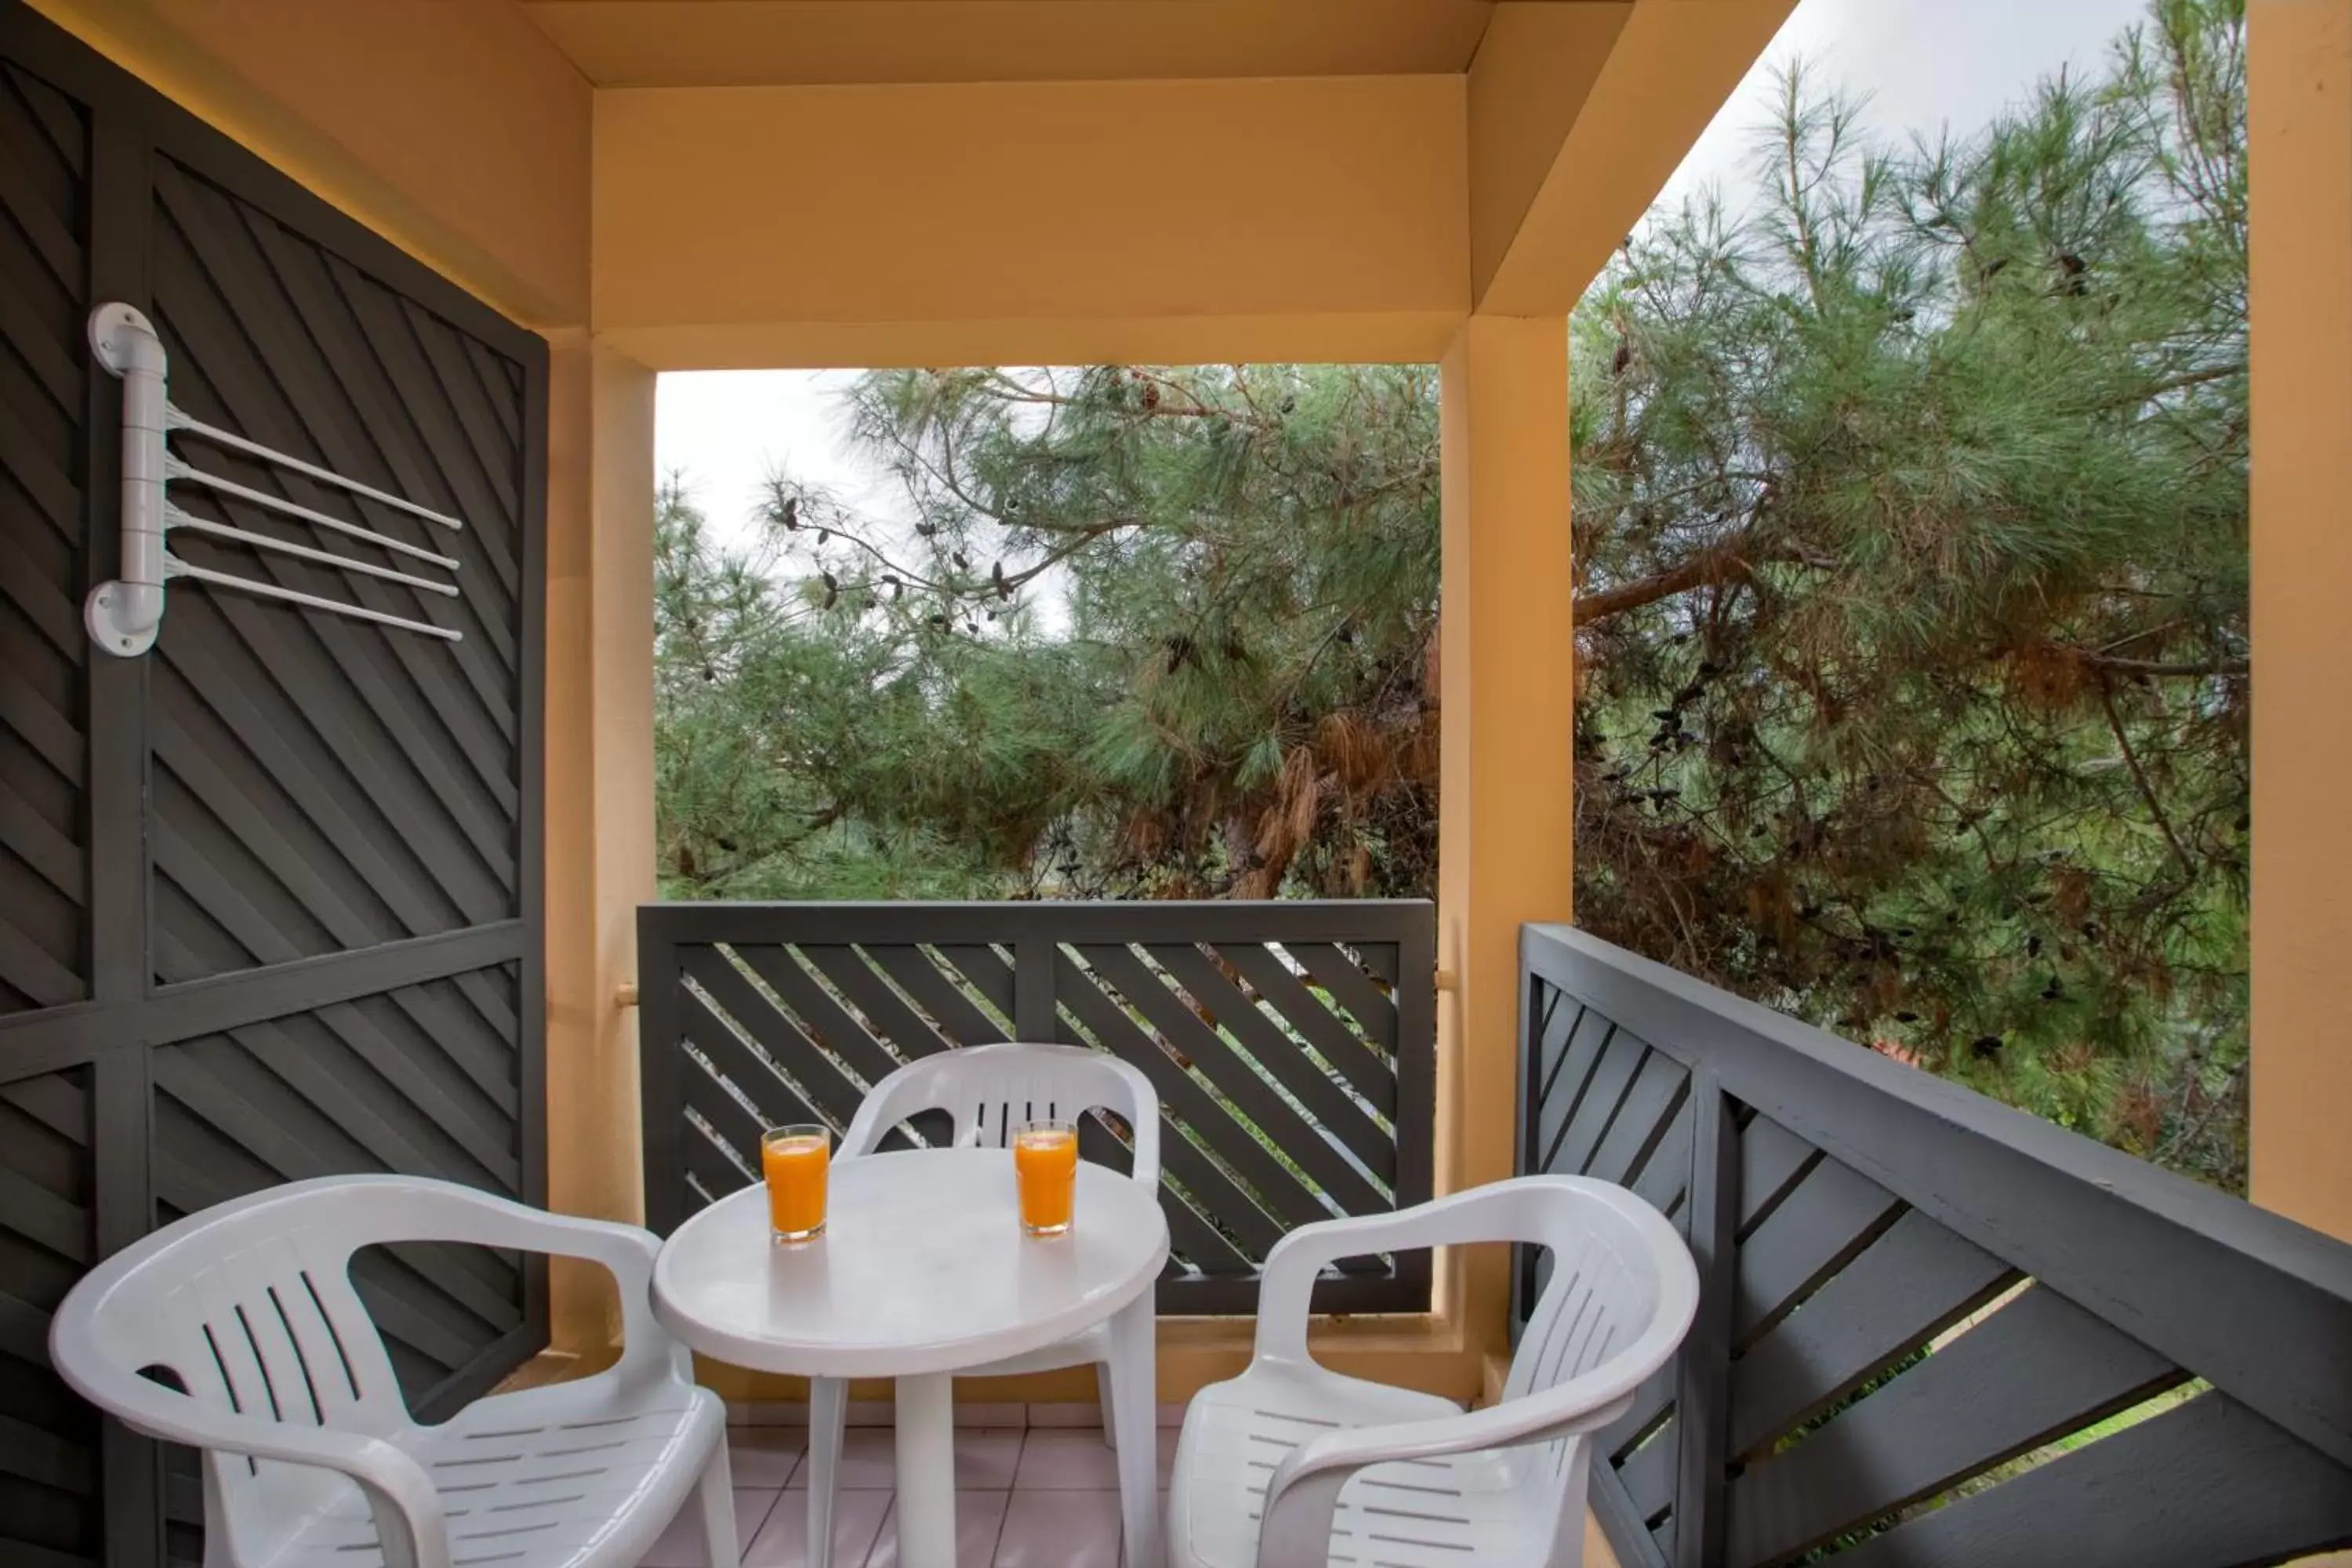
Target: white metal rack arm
{"x": 124, "y": 614}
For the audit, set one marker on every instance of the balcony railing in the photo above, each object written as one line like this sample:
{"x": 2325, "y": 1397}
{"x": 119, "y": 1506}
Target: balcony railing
{"x": 1933, "y": 1330}
{"x": 1293, "y": 1046}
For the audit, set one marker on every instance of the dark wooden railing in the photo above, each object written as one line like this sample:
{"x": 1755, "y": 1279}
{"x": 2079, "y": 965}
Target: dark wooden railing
{"x": 1293, "y": 1046}
{"x": 1933, "y": 1330}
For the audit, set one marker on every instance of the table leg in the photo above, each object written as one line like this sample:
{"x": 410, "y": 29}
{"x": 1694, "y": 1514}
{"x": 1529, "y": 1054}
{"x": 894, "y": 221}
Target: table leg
{"x": 1133, "y": 1332}
{"x": 925, "y": 1441}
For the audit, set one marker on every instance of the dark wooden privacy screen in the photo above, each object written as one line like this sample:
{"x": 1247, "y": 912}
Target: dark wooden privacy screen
{"x": 1992, "y": 1287}
{"x": 1293, "y": 1045}
{"x": 270, "y": 895}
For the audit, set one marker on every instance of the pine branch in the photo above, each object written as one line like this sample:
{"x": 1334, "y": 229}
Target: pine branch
{"x": 1734, "y": 560}
{"x": 2231, "y": 667}
{"x": 2139, "y": 778}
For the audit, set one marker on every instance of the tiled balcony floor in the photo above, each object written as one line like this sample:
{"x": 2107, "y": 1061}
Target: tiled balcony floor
{"x": 1044, "y": 1496}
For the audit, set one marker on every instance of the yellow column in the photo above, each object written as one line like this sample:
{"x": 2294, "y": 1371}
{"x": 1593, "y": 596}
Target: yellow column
{"x": 2300, "y": 129}
{"x": 1506, "y": 687}
{"x": 599, "y": 785}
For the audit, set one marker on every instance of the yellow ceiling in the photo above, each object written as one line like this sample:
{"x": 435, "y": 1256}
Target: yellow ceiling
{"x": 710, "y": 42}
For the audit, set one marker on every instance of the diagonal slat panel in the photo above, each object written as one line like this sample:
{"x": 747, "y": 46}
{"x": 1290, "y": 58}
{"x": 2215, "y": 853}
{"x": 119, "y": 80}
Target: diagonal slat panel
{"x": 1831, "y": 1216}
{"x": 832, "y": 1091}
{"x": 337, "y": 807}
{"x": 297, "y": 819}
{"x": 730, "y": 1120}
{"x": 1270, "y": 1048}
{"x": 1249, "y": 1095}
{"x": 282, "y": 651}
{"x": 1250, "y": 1099}
{"x": 1277, "y": 1108}
{"x": 459, "y": 486}
{"x": 1612, "y": 1079}
{"x": 485, "y": 661}
{"x": 1190, "y": 1112}
{"x": 1904, "y": 1289}
{"x": 951, "y": 1008}
{"x": 305, "y": 275}
{"x": 1642, "y": 1122}
{"x": 1367, "y": 1005}
{"x": 1331, "y": 1037}
{"x": 821, "y": 1019}
{"x": 230, "y": 324}
{"x": 886, "y": 1016}
{"x": 1587, "y": 1037}
{"x": 46, "y": 930}
{"x": 1772, "y": 1160}
{"x": 2208, "y": 1481}
{"x": 2036, "y": 1369}
{"x": 983, "y": 970}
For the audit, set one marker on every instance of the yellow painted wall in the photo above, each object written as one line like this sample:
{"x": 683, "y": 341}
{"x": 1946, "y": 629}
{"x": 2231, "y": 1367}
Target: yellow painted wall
{"x": 1526, "y": 87}
{"x": 1505, "y": 846}
{"x": 766, "y": 211}
{"x": 2299, "y": 130}
{"x": 598, "y": 795}
{"x": 1672, "y": 65}
{"x": 451, "y": 127}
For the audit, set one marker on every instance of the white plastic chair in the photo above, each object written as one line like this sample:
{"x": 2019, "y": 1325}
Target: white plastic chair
{"x": 1293, "y": 1466}
{"x": 310, "y": 1457}
{"x": 988, "y": 1092}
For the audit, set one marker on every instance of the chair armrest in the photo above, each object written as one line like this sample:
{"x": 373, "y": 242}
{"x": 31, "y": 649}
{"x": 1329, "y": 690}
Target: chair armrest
{"x": 1286, "y": 1283}
{"x": 406, "y": 1505}
{"x": 1304, "y": 1490}
{"x": 420, "y": 1210}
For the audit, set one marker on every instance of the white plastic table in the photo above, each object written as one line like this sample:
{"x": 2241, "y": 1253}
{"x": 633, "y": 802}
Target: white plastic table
{"x": 923, "y": 1270}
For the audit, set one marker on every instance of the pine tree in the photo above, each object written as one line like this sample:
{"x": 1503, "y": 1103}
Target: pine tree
{"x": 1913, "y": 627}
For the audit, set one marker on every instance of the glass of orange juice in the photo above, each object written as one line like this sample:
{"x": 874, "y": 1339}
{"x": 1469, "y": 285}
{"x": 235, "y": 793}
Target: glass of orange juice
{"x": 795, "y": 1161}
{"x": 1046, "y": 1163}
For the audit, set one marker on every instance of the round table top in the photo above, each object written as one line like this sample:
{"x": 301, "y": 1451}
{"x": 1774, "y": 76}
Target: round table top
{"x": 923, "y": 1268}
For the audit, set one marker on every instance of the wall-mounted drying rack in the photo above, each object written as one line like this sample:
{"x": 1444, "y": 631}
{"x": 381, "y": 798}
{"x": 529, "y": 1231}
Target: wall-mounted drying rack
{"x": 125, "y": 614}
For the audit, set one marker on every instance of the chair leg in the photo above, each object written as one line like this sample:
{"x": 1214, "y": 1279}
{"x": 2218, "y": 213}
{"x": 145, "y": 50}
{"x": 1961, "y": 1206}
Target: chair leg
{"x": 828, "y": 1419}
{"x": 1131, "y": 1375}
{"x": 1106, "y": 1397}
{"x": 716, "y": 1493}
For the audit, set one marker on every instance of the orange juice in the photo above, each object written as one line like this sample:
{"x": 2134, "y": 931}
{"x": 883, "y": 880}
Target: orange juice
{"x": 1045, "y": 1164}
{"x": 795, "y": 1161}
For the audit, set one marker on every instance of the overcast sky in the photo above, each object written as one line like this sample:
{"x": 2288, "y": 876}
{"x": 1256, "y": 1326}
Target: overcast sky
{"x": 1925, "y": 64}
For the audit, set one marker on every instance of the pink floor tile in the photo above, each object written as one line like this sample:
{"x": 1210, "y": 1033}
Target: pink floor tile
{"x": 1060, "y": 1530}
{"x": 980, "y": 1518}
{"x": 985, "y": 1458}
{"x": 1073, "y": 1458}
{"x": 868, "y": 1461}
{"x": 766, "y": 1456}
{"x": 783, "y": 1542}
{"x": 680, "y": 1545}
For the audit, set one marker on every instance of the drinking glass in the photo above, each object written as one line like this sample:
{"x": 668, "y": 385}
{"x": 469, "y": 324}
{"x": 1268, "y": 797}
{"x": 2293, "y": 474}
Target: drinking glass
{"x": 796, "y": 1159}
{"x": 1046, "y": 1163}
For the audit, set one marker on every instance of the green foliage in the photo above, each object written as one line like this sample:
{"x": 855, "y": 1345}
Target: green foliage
{"x": 1912, "y": 612}
{"x": 1912, "y": 514}
{"x": 1242, "y": 567}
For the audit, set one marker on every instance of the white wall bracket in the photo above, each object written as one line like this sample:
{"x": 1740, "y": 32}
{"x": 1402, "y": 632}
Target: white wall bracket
{"x": 124, "y": 613}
